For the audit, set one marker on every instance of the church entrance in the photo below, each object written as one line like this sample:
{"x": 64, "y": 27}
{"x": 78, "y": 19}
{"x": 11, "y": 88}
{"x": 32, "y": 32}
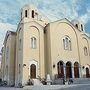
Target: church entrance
{"x": 68, "y": 70}
{"x": 76, "y": 70}
{"x": 60, "y": 69}
{"x": 87, "y": 72}
{"x": 33, "y": 71}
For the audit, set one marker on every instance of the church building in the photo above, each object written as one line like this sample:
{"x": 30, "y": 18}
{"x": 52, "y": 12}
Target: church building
{"x": 40, "y": 47}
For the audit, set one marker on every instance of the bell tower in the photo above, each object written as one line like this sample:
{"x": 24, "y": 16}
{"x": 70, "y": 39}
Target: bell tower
{"x": 79, "y": 25}
{"x": 29, "y": 11}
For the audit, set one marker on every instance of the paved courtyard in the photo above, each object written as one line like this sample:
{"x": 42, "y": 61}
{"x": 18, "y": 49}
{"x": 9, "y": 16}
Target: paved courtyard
{"x": 10, "y": 88}
{"x": 54, "y": 87}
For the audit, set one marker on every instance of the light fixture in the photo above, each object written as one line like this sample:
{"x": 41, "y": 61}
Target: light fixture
{"x": 24, "y": 65}
{"x": 53, "y": 65}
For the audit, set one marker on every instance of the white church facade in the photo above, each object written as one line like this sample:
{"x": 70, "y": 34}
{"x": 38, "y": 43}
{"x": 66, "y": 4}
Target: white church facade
{"x": 40, "y": 47}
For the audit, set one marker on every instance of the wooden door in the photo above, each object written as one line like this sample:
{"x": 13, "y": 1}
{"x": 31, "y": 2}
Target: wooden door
{"x": 76, "y": 70}
{"x": 33, "y": 71}
{"x": 87, "y": 73}
{"x": 68, "y": 70}
{"x": 60, "y": 69}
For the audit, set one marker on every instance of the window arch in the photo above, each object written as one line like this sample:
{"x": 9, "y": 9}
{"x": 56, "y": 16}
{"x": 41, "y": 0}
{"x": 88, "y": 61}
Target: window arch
{"x": 33, "y": 42}
{"x": 67, "y": 43}
{"x": 85, "y": 51}
{"x": 76, "y": 25}
{"x": 32, "y": 13}
{"x": 25, "y": 13}
{"x": 81, "y": 27}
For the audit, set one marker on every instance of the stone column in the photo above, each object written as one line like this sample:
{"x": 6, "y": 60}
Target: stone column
{"x": 64, "y": 67}
{"x": 80, "y": 71}
{"x": 72, "y": 71}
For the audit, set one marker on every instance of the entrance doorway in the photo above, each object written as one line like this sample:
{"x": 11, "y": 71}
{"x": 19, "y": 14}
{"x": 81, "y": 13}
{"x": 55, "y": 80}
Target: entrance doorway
{"x": 68, "y": 70}
{"x": 33, "y": 71}
{"x": 60, "y": 69}
{"x": 76, "y": 70}
{"x": 87, "y": 72}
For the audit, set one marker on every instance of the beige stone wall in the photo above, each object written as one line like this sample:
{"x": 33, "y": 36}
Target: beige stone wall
{"x": 30, "y": 54}
{"x": 55, "y": 32}
{"x": 19, "y": 55}
{"x": 27, "y": 55}
{"x": 48, "y": 65}
{"x": 9, "y": 64}
{"x": 3, "y": 63}
{"x": 84, "y": 59}
{"x": 12, "y": 59}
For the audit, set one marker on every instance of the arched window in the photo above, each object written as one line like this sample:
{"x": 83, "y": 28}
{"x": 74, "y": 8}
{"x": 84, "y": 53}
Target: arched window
{"x": 64, "y": 43}
{"x": 76, "y": 25}
{"x": 25, "y": 13}
{"x": 33, "y": 42}
{"x": 32, "y": 13}
{"x": 85, "y": 51}
{"x": 67, "y": 43}
{"x": 81, "y": 27}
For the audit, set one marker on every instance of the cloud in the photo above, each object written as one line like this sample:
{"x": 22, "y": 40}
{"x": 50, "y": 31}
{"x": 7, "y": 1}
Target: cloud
{"x": 85, "y": 17}
{"x": 7, "y": 26}
{"x": 58, "y": 9}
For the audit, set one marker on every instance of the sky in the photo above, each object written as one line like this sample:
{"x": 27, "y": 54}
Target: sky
{"x": 53, "y": 9}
